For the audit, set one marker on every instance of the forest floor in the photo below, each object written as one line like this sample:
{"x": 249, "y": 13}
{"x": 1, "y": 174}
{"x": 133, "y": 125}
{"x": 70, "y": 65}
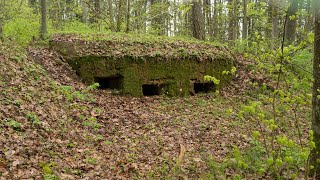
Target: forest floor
{"x": 52, "y": 126}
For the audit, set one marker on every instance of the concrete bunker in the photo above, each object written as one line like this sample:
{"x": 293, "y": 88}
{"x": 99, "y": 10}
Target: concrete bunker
{"x": 110, "y": 82}
{"x": 204, "y": 87}
{"x": 154, "y": 89}
{"x": 134, "y": 67}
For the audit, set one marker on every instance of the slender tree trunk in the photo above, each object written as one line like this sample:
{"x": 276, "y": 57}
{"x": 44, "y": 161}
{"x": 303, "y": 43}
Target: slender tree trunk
{"x": 43, "y": 31}
{"x": 97, "y": 8}
{"x": 128, "y": 17}
{"x": 235, "y": 20}
{"x": 275, "y": 20}
{"x": 84, "y": 12}
{"x": 97, "y": 13}
{"x": 222, "y": 29}
{"x": 290, "y": 35}
{"x": 231, "y": 35}
{"x": 174, "y": 19}
{"x": 2, "y": 10}
{"x": 1, "y": 30}
{"x": 144, "y": 10}
{"x": 111, "y": 15}
{"x": 187, "y": 17}
{"x": 245, "y": 21}
{"x": 315, "y": 153}
{"x": 197, "y": 24}
{"x": 215, "y": 19}
{"x": 250, "y": 28}
{"x": 119, "y": 16}
{"x": 268, "y": 29}
{"x": 309, "y": 19}
{"x": 168, "y": 27}
{"x": 208, "y": 17}
{"x": 68, "y": 10}
{"x": 60, "y": 20}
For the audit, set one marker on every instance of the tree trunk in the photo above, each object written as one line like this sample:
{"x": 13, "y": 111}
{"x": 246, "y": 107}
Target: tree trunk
{"x": 174, "y": 19}
{"x": 43, "y": 31}
{"x": 119, "y": 16}
{"x": 221, "y": 23}
{"x": 143, "y": 12}
{"x": 235, "y": 20}
{"x": 2, "y": 10}
{"x": 187, "y": 23}
{"x": 97, "y": 7}
{"x": 290, "y": 35}
{"x": 111, "y": 15}
{"x": 84, "y": 12}
{"x": 197, "y": 24}
{"x": 231, "y": 21}
{"x": 315, "y": 93}
{"x": 68, "y": 10}
{"x": 128, "y": 17}
{"x": 245, "y": 21}
{"x": 1, "y": 30}
{"x": 215, "y": 19}
{"x": 208, "y": 17}
{"x": 268, "y": 29}
{"x": 251, "y": 23}
{"x": 97, "y": 13}
{"x": 275, "y": 20}
{"x": 309, "y": 19}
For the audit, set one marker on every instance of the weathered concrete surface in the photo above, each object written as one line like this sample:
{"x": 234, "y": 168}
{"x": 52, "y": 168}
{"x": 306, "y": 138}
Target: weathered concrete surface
{"x": 146, "y": 67}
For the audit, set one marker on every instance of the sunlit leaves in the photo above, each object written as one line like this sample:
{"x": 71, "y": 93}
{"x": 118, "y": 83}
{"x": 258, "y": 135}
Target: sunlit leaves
{"x": 208, "y": 78}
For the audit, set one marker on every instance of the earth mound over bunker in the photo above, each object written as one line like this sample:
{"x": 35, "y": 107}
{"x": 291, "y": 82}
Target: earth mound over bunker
{"x": 145, "y": 65}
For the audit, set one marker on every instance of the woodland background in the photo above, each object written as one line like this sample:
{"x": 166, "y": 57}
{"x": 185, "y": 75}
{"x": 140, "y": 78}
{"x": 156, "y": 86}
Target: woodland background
{"x": 258, "y": 127}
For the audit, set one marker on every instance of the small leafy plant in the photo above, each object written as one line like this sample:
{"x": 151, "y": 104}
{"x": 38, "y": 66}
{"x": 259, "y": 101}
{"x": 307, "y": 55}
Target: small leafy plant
{"x": 14, "y": 124}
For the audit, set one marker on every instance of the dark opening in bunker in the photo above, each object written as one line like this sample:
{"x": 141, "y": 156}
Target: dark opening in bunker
{"x": 204, "y": 87}
{"x": 153, "y": 89}
{"x": 112, "y": 82}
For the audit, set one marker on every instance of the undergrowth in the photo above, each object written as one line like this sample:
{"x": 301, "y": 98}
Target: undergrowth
{"x": 280, "y": 111}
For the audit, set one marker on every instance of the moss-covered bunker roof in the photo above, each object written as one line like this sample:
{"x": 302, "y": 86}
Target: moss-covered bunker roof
{"x": 120, "y": 45}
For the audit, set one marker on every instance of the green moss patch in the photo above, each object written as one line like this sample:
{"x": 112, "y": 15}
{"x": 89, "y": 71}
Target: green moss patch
{"x": 139, "y": 66}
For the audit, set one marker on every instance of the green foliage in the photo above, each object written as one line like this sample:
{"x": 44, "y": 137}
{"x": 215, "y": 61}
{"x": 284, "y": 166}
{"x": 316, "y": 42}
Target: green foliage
{"x": 48, "y": 173}
{"x": 157, "y": 13}
{"x": 107, "y": 142}
{"x": 77, "y": 27}
{"x": 20, "y": 23}
{"x": 92, "y": 161}
{"x": 302, "y": 63}
{"x": 92, "y": 122}
{"x": 71, "y": 94}
{"x": 277, "y": 149}
{"x": 34, "y": 119}
{"x": 208, "y": 78}
{"x": 22, "y": 30}
{"x": 93, "y": 87}
{"x": 14, "y": 124}
{"x": 232, "y": 71}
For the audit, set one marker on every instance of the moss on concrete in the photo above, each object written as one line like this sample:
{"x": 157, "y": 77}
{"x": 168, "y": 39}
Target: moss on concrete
{"x": 176, "y": 72}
